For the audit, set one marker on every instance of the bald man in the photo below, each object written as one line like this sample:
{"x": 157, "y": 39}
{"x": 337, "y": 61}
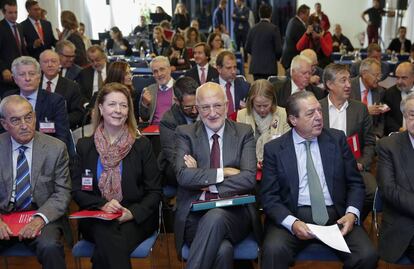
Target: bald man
{"x": 215, "y": 159}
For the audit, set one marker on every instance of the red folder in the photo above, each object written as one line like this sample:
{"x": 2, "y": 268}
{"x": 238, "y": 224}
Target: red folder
{"x": 17, "y": 220}
{"x": 353, "y": 142}
{"x": 151, "y": 130}
{"x": 96, "y": 214}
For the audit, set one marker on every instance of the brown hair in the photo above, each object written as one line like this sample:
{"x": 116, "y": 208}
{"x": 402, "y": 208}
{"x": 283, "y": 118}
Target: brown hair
{"x": 224, "y": 54}
{"x": 116, "y": 73}
{"x": 261, "y": 87}
{"x": 207, "y": 49}
{"x": 68, "y": 20}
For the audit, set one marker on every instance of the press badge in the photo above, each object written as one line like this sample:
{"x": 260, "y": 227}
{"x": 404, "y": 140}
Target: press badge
{"x": 47, "y": 127}
{"x": 87, "y": 180}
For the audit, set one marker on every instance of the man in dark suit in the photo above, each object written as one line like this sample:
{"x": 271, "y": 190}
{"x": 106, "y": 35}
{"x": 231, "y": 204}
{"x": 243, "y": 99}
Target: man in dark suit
{"x": 395, "y": 181}
{"x": 91, "y": 78}
{"x": 11, "y": 44}
{"x": 183, "y": 111}
{"x": 66, "y": 51}
{"x": 236, "y": 89}
{"x": 350, "y": 116}
{"x": 35, "y": 176}
{"x": 310, "y": 176}
{"x": 294, "y": 31}
{"x": 215, "y": 158}
{"x": 300, "y": 75}
{"x": 393, "y": 96}
{"x": 241, "y": 25}
{"x": 202, "y": 72}
{"x": 365, "y": 88}
{"x": 38, "y": 33}
{"x": 374, "y": 52}
{"x": 219, "y": 16}
{"x": 264, "y": 44}
{"x": 400, "y": 44}
{"x": 52, "y": 82}
{"x": 50, "y": 108}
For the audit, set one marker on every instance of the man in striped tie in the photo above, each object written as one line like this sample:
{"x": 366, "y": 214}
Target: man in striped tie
{"x": 35, "y": 176}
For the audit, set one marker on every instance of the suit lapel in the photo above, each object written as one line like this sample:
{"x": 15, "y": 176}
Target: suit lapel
{"x": 290, "y": 164}
{"x": 7, "y": 165}
{"x": 229, "y": 139}
{"x": 38, "y": 156}
{"x": 407, "y": 153}
{"x": 203, "y": 143}
{"x": 325, "y": 111}
{"x": 350, "y": 119}
{"x": 327, "y": 150}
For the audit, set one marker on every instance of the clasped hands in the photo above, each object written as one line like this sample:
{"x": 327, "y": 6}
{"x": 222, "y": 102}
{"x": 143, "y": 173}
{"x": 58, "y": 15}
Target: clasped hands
{"x": 29, "y": 231}
{"x": 114, "y": 206}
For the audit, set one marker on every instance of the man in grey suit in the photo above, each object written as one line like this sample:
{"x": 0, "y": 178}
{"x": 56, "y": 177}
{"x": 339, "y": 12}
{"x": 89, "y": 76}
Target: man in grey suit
{"x": 215, "y": 158}
{"x": 365, "y": 88}
{"x": 157, "y": 98}
{"x": 350, "y": 116}
{"x": 395, "y": 181}
{"x": 34, "y": 176}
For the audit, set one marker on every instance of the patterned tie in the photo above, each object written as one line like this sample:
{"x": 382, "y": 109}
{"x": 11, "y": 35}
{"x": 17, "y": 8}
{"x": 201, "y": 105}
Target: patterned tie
{"x": 100, "y": 80}
{"x": 365, "y": 97}
{"x": 203, "y": 75}
{"x": 39, "y": 31}
{"x": 230, "y": 104}
{"x": 49, "y": 86}
{"x": 319, "y": 212}
{"x": 17, "y": 38}
{"x": 23, "y": 197}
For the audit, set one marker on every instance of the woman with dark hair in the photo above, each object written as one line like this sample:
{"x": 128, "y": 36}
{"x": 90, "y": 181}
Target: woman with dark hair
{"x": 181, "y": 19}
{"x": 117, "y": 44}
{"x": 125, "y": 180}
{"x": 158, "y": 44}
{"x": 216, "y": 45}
{"x": 192, "y": 37}
{"x": 164, "y": 15}
{"x": 70, "y": 32}
{"x": 177, "y": 53}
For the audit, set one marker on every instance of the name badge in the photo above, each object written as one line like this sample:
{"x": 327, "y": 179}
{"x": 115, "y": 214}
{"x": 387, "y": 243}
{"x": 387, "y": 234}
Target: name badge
{"x": 47, "y": 127}
{"x": 87, "y": 181}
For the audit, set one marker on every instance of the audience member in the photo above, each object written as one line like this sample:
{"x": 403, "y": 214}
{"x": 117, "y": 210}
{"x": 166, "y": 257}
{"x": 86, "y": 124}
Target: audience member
{"x": 373, "y": 51}
{"x": 11, "y": 44}
{"x": 300, "y": 74}
{"x": 264, "y": 44}
{"x": 400, "y": 44}
{"x": 202, "y": 72}
{"x": 117, "y": 43}
{"x": 350, "y": 116}
{"x": 181, "y": 18}
{"x": 214, "y": 158}
{"x": 295, "y": 29}
{"x": 375, "y": 14}
{"x": 219, "y": 16}
{"x": 86, "y": 41}
{"x": 158, "y": 45}
{"x": 70, "y": 32}
{"x": 43, "y": 14}
{"x": 394, "y": 120}
{"x": 51, "y": 81}
{"x": 68, "y": 68}
{"x": 35, "y": 168}
{"x": 339, "y": 41}
{"x": 317, "y": 72}
{"x": 411, "y": 59}
{"x": 167, "y": 30}
{"x": 38, "y": 33}
{"x": 177, "y": 53}
{"x": 194, "y": 23}
{"x": 236, "y": 89}
{"x": 267, "y": 119}
{"x": 215, "y": 43}
{"x": 142, "y": 27}
{"x": 365, "y": 88}
{"x": 157, "y": 98}
{"x": 125, "y": 180}
{"x": 241, "y": 24}
{"x": 192, "y": 37}
{"x": 165, "y": 16}
{"x": 227, "y": 41}
{"x": 310, "y": 176}
{"x": 322, "y": 17}
{"x": 183, "y": 111}
{"x": 394, "y": 176}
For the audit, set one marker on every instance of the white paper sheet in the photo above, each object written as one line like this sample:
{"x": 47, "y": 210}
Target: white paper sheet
{"x": 330, "y": 235}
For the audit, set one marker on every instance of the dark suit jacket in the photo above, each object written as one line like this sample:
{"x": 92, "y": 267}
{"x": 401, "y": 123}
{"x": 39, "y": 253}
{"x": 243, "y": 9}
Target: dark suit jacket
{"x": 141, "y": 184}
{"x": 8, "y": 48}
{"x": 73, "y": 72}
{"x": 395, "y": 181}
{"x": 51, "y": 106}
{"x": 265, "y": 45}
{"x": 211, "y": 74}
{"x": 294, "y": 31}
{"x": 284, "y": 90}
{"x": 280, "y": 181}
{"x": 395, "y": 45}
{"x": 393, "y": 118}
{"x": 71, "y": 92}
{"x": 31, "y": 35}
{"x": 85, "y": 80}
{"x": 241, "y": 89}
{"x": 385, "y": 69}
{"x": 80, "y": 58}
{"x": 238, "y": 152}
{"x": 377, "y": 97}
{"x": 359, "y": 122}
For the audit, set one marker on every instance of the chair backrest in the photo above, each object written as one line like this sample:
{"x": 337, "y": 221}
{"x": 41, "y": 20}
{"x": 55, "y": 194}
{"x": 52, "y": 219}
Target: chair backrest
{"x": 242, "y": 77}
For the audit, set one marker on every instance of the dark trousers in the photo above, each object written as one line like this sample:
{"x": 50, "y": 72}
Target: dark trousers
{"x": 114, "y": 242}
{"x": 372, "y": 32}
{"x": 211, "y": 235}
{"x": 280, "y": 246}
{"x": 370, "y": 187}
{"x": 260, "y": 76}
{"x": 47, "y": 246}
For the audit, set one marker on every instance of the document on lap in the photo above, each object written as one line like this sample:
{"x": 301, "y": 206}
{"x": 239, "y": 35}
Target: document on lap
{"x": 330, "y": 235}
{"x": 96, "y": 214}
{"x": 17, "y": 220}
{"x": 223, "y": 202}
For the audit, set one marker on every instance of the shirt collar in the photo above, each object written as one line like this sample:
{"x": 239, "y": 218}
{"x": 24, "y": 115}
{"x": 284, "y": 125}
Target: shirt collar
{"x": 33, "y": 21}
{"x": 11, "y": 24}
{"x": 343, "y": 107}
{"x": 54, "y": 80}
{"x": 169, "y": 84}
{"x": 362, "y": 86}
{"x": 32, "y": 96}
{"x": 205, "y": 66}
{"x": 210, "y": 132}
{"x": 297, "y": 139}
{"x": 16, "y": 145}
{"x": 223, "y": 82}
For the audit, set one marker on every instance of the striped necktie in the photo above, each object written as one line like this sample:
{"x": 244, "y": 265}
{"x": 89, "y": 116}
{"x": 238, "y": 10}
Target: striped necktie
{"x": 23, "y": 197}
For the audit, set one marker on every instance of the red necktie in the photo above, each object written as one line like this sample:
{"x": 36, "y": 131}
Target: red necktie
{"x": 16, "y": 36}
{"x": 214, "y": 163}
{"x": 203, "y": 75}
{"x": 39, "y": 30}
{"x": 230, "y": 105}
{"x": 49, "y": 87}
{"x": 365, "y": 97}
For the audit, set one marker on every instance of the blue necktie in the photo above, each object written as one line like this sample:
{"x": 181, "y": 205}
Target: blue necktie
{"x": 23, "y": 197}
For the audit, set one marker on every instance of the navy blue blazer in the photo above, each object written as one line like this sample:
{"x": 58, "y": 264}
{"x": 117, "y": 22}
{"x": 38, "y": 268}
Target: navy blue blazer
{"x": 280, "y": 181}
{"x": 241, "y": 89}
{"x": 30, "y": 35}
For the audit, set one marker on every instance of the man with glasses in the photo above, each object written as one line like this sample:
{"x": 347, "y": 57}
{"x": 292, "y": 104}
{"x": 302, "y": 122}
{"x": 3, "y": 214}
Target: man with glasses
{"x": 373, "y": 51}
{"x": 215, "y": 159}
{"x": 66, "y": 51}
{"x": 365, "y": 88}
{"x": 183, "y": 111}
{"x": 91, "y": 78}
{"x": 34, "y": 176}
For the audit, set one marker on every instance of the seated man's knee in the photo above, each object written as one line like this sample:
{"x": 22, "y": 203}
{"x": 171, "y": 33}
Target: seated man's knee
{"x": 48, "y": 247}
{"x": 212, "y": 219}
{"x": 225, "y": 249}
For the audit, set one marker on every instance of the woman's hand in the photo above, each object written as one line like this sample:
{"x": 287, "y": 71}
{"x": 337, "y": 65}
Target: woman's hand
{"x": 126, "y": 215}
{"x": 112, "y": 206}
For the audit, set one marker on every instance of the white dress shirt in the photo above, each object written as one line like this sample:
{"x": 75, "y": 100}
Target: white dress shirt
{"x": 337, "y": 117}
{"x": 95, "y": 86}
{"x": 52, "y": 85}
